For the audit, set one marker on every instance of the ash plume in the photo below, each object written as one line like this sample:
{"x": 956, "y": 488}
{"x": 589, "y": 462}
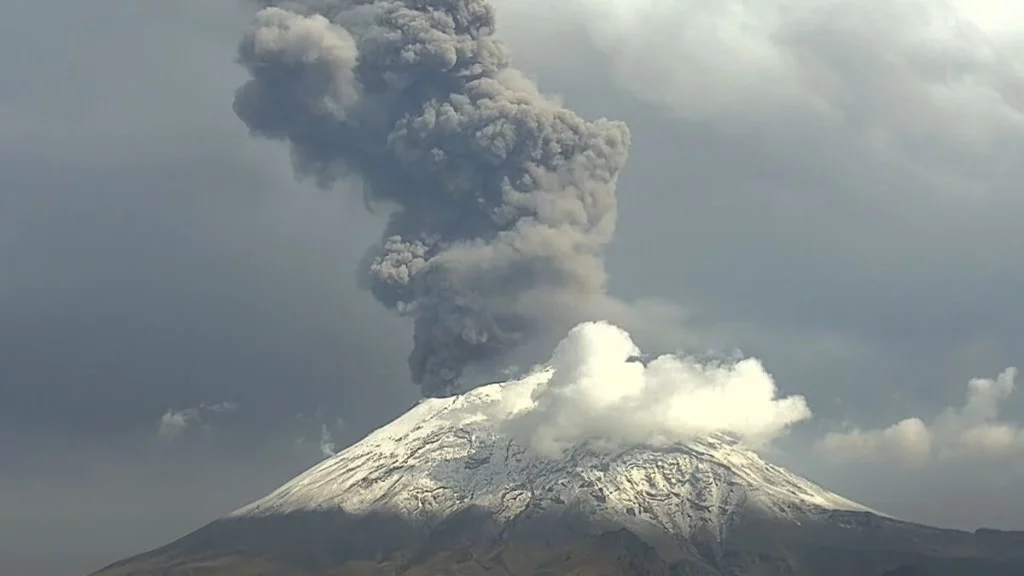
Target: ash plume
{"x": 502, "y": 200}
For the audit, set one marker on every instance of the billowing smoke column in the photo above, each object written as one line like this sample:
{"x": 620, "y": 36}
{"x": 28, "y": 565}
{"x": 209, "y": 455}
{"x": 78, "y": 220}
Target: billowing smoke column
{"x": 503, "y": 200}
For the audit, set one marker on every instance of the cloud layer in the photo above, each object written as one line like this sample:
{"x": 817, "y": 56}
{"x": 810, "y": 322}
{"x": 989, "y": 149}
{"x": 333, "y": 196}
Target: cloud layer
{"x": 841, "y": 172}
{"x": 596, "y": 388}
{"x": 928, "y": 67}
{"x": 972, "y": 430}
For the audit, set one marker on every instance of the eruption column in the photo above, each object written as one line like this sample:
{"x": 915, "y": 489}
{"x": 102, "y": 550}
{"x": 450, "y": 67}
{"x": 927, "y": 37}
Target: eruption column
{"x": 502, "y": 200}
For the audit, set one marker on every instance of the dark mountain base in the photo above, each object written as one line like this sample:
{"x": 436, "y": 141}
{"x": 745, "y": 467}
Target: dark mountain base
{"x": 332, "y": 544}
{"x": 472, "y": 544}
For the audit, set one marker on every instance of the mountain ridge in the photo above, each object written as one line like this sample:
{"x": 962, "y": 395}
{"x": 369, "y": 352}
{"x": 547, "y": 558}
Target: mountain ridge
{"x": 452, "y": 487}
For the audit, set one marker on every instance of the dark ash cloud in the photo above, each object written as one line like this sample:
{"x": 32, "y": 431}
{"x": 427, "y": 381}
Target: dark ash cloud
{"x": 503, "y": 200}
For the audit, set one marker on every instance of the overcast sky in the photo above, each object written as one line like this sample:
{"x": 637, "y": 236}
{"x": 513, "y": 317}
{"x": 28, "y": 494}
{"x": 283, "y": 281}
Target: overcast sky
{"x": 832, "y": 187}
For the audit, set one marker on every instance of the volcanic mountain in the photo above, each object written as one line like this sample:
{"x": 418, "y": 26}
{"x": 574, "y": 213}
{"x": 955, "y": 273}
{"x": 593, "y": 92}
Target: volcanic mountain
{"x": 448, "y": 488}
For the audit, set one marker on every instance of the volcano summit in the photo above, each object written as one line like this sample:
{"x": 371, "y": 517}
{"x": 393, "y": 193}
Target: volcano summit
{"x": 507, "y": 480}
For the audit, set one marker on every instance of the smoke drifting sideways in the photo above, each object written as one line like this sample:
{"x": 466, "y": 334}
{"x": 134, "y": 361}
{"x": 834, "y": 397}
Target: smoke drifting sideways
{"x": 594, "y": 391}
{"x": 502, "y": 200}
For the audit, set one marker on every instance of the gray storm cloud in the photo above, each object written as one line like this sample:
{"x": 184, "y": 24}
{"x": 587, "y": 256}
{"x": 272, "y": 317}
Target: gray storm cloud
{"x": 502, "y": 200}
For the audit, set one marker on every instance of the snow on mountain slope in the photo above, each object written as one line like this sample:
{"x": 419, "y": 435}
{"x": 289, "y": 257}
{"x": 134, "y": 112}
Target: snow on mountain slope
{"x": 447, "y": 454}
{"x": 648, "y": 463}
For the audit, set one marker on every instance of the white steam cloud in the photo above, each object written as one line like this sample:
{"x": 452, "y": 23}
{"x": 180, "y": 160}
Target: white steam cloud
{"x": 971, "y": 430}
{"x": 596, "y": 390}
{"x": 175, "y": 422}
{"x": 327, "y": 446}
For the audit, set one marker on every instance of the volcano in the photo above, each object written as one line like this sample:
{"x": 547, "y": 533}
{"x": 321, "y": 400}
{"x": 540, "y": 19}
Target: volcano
{"x": 450, "y": 488}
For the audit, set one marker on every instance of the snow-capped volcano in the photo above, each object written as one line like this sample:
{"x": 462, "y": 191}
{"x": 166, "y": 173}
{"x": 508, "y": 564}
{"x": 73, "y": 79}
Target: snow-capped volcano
{"x": 593, "y": 464}
{"x": 448, "y": 455}
{"x": 639, "y": 445}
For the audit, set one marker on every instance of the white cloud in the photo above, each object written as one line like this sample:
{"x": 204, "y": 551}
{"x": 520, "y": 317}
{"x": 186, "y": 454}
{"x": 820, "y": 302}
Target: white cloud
{"x": 725, "y": 57}
{"x": 174, "y": 423}
{"x": 597, "y": 391}
{"x": 969, "y": 431}
{"x": 927, "y": 91}
{"x": 995, "y": 17}
{"x": 327, "y": 446}
{"x": 909, "y": 440}
{"x": 317, "y": 434}
{"x": 220, "y": 407}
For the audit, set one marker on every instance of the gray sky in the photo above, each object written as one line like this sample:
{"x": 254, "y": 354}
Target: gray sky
{"x": 836, "y": 193}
